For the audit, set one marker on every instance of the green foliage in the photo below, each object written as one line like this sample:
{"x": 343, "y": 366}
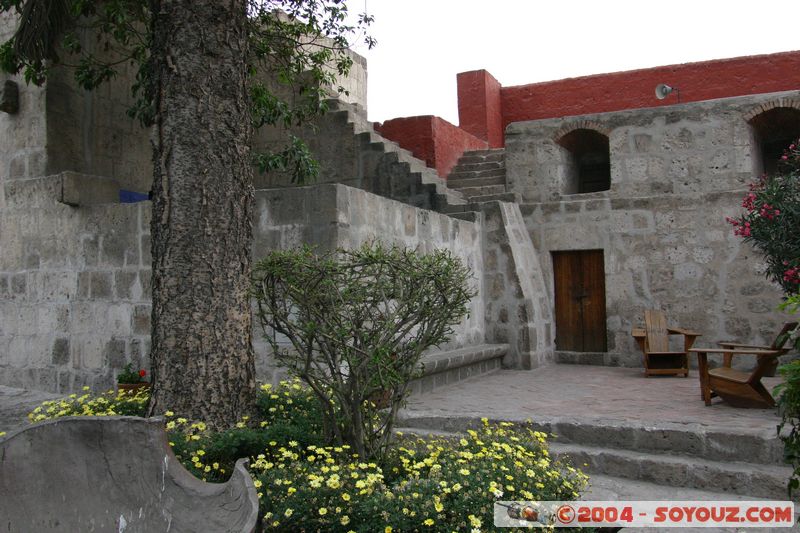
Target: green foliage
{"x": 110, "y": 403}
{"x": 302, "y": 44}
{"x": 358, "y": 322}
{"x": 304, "y": 485}
{"x": 788, "y": 394}
{"x": 429, "y": 484}
{"x": 129, "y": 375}
{"x": 772, "y": 219}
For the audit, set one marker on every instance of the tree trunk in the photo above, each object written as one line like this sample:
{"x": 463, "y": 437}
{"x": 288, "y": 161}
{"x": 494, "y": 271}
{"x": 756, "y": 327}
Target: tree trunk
{"x": 202, "y": 356}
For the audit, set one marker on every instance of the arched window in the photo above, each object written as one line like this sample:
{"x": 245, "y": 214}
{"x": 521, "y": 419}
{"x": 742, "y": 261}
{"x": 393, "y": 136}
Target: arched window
{"x": 589, "y": 165}
{"x": 773, "y": 131}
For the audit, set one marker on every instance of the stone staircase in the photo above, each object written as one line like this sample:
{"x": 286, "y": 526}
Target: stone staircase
{"x": 685, "y": 456}
{"x": 387, "y": 169}
{"x": 480, "y": 175}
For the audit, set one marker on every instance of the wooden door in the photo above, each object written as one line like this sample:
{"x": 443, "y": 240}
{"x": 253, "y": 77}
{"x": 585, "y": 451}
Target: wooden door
{"x": 580, "y": 301}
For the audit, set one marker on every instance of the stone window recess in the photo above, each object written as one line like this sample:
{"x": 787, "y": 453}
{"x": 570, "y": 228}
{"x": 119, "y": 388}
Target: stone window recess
{"x": 589, "y": 162}
{"x": 773, "y": 131}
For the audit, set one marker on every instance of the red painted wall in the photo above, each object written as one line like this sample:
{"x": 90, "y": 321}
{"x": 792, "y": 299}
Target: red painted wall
{"x": 481, "y": 113}
{"x": 630, "y": 90}
{"x": 432, "y": 139}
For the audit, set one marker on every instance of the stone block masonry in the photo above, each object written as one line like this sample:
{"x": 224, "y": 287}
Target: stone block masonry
{"x": 75, "y": 282}
{"x": 74, "y": 289}
{"x": 675, "y": 175}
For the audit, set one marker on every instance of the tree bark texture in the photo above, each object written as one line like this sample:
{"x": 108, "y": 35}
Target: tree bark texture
{"x": 203, "y": 201}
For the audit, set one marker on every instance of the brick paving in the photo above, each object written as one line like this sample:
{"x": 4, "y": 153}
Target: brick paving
{"x": 591, "y": 393}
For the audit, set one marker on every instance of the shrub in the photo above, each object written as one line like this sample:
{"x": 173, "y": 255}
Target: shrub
{"x": 429, "y": 484}
{"x": 772, "y": 219}
{"x": 110, "y": 403}
{"x": 358, "y": 322}
{"x": 424, "y": 484}
{"x": 788, "y": 394}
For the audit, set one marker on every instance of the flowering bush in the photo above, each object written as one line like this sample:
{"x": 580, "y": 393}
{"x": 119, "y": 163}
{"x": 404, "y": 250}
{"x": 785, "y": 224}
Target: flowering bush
{"x": 129, "y": 375}
{"x": 425, "y": 484}
{"x": 772, "y": 219}
{"x": 428, "y": 484}
{"x": 110, "y": 403}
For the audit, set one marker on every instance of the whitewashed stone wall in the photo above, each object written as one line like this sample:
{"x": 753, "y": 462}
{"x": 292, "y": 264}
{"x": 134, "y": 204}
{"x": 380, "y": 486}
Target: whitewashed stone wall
{"x": 676, "y": 173}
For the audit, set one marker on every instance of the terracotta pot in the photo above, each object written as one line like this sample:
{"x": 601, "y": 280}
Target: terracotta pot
{"x": 133, "y": 388}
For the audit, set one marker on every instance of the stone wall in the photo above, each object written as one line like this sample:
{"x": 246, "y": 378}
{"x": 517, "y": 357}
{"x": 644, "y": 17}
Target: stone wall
{"x": 74, "y": 288}
{"x": 75, "y": 281}
{"x": 23, "y": 135}
{"x": 676, "y": 173}
{"x": 333, "y": 215}
{"x": 518, "y": 309}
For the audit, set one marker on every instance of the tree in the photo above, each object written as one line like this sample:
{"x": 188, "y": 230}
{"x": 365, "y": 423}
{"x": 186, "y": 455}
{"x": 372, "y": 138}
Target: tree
{"x": 358, "y": 322}
{"x": 195, "y": 87}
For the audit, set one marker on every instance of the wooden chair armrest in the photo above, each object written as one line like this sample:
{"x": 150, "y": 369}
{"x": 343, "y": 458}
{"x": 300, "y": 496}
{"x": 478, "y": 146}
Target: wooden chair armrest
{"x": 737, "y": 352}
{"x": 737, "y": 345}
{"x": 638, "y": 332}
{"x": 681, "y": 331}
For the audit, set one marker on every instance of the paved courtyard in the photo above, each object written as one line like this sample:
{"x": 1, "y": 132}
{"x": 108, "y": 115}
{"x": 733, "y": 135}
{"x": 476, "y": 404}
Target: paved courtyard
{"x": 591, "y": 393}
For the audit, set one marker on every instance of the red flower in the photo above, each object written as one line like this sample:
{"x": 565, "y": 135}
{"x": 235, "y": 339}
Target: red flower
{"x": 142, "y": 373}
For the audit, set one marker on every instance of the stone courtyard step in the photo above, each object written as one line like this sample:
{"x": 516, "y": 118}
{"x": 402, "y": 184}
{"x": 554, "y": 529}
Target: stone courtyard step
{"x": 450, "y": 366}
{"x": 683, "y": 456}
{"x": 762, "y": 481}
{"x": 693, "y": 440}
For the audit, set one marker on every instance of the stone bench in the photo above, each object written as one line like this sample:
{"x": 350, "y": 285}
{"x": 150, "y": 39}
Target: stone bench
{"x": 113, "y": 474}
{"x": 446, "y": 367}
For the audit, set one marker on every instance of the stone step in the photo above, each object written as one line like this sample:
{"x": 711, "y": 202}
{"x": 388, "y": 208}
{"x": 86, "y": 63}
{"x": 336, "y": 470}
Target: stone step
{"x": 611, "y": 488}
{"x": 469, "y": 158}
{"x": 478, "y": 167}
{"x": 470, "y": 180}
{"x": 758, "y": 480}
{"x": 470, "y": 216}
{"x": 502, "y": 197}
{"x": 477, "y": 174}
{"x": 690, "y": 439}
{"x": 450, "y": 366}
{"x": 454, "y": 208}
{"x": 485, "y": 153}
{"x": 659, "y": 471}
{"x": 470, "y": 192}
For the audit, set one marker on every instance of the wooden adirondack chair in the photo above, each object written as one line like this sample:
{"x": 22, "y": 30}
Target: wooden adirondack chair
{"x": 653, "y": 340}
{"x": 741, "y": 388}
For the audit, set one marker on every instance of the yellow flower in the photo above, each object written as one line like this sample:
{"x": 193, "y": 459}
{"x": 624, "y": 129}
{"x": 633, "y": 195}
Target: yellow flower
{"x": 464, "y": 472}
{"x": 169, "y": 413}
{"x": 288, "y": 512}
{"x": 387, "y": 529}
{"x": 323, "y": 511}
{"x": 346, "y": 497}
{"x": 428, "y": 522}
{"x": 345, "y": 520}
{"x": 257, "y": 483}
{"x": 474, "y": 520}
{"x": 438, "y": 506}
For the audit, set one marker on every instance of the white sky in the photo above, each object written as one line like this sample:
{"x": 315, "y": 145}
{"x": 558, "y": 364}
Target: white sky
{"x": 422, "y": 45}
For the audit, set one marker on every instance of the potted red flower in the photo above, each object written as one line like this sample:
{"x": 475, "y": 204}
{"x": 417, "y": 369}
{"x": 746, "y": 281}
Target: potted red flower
{"x": 131, "y": 380}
